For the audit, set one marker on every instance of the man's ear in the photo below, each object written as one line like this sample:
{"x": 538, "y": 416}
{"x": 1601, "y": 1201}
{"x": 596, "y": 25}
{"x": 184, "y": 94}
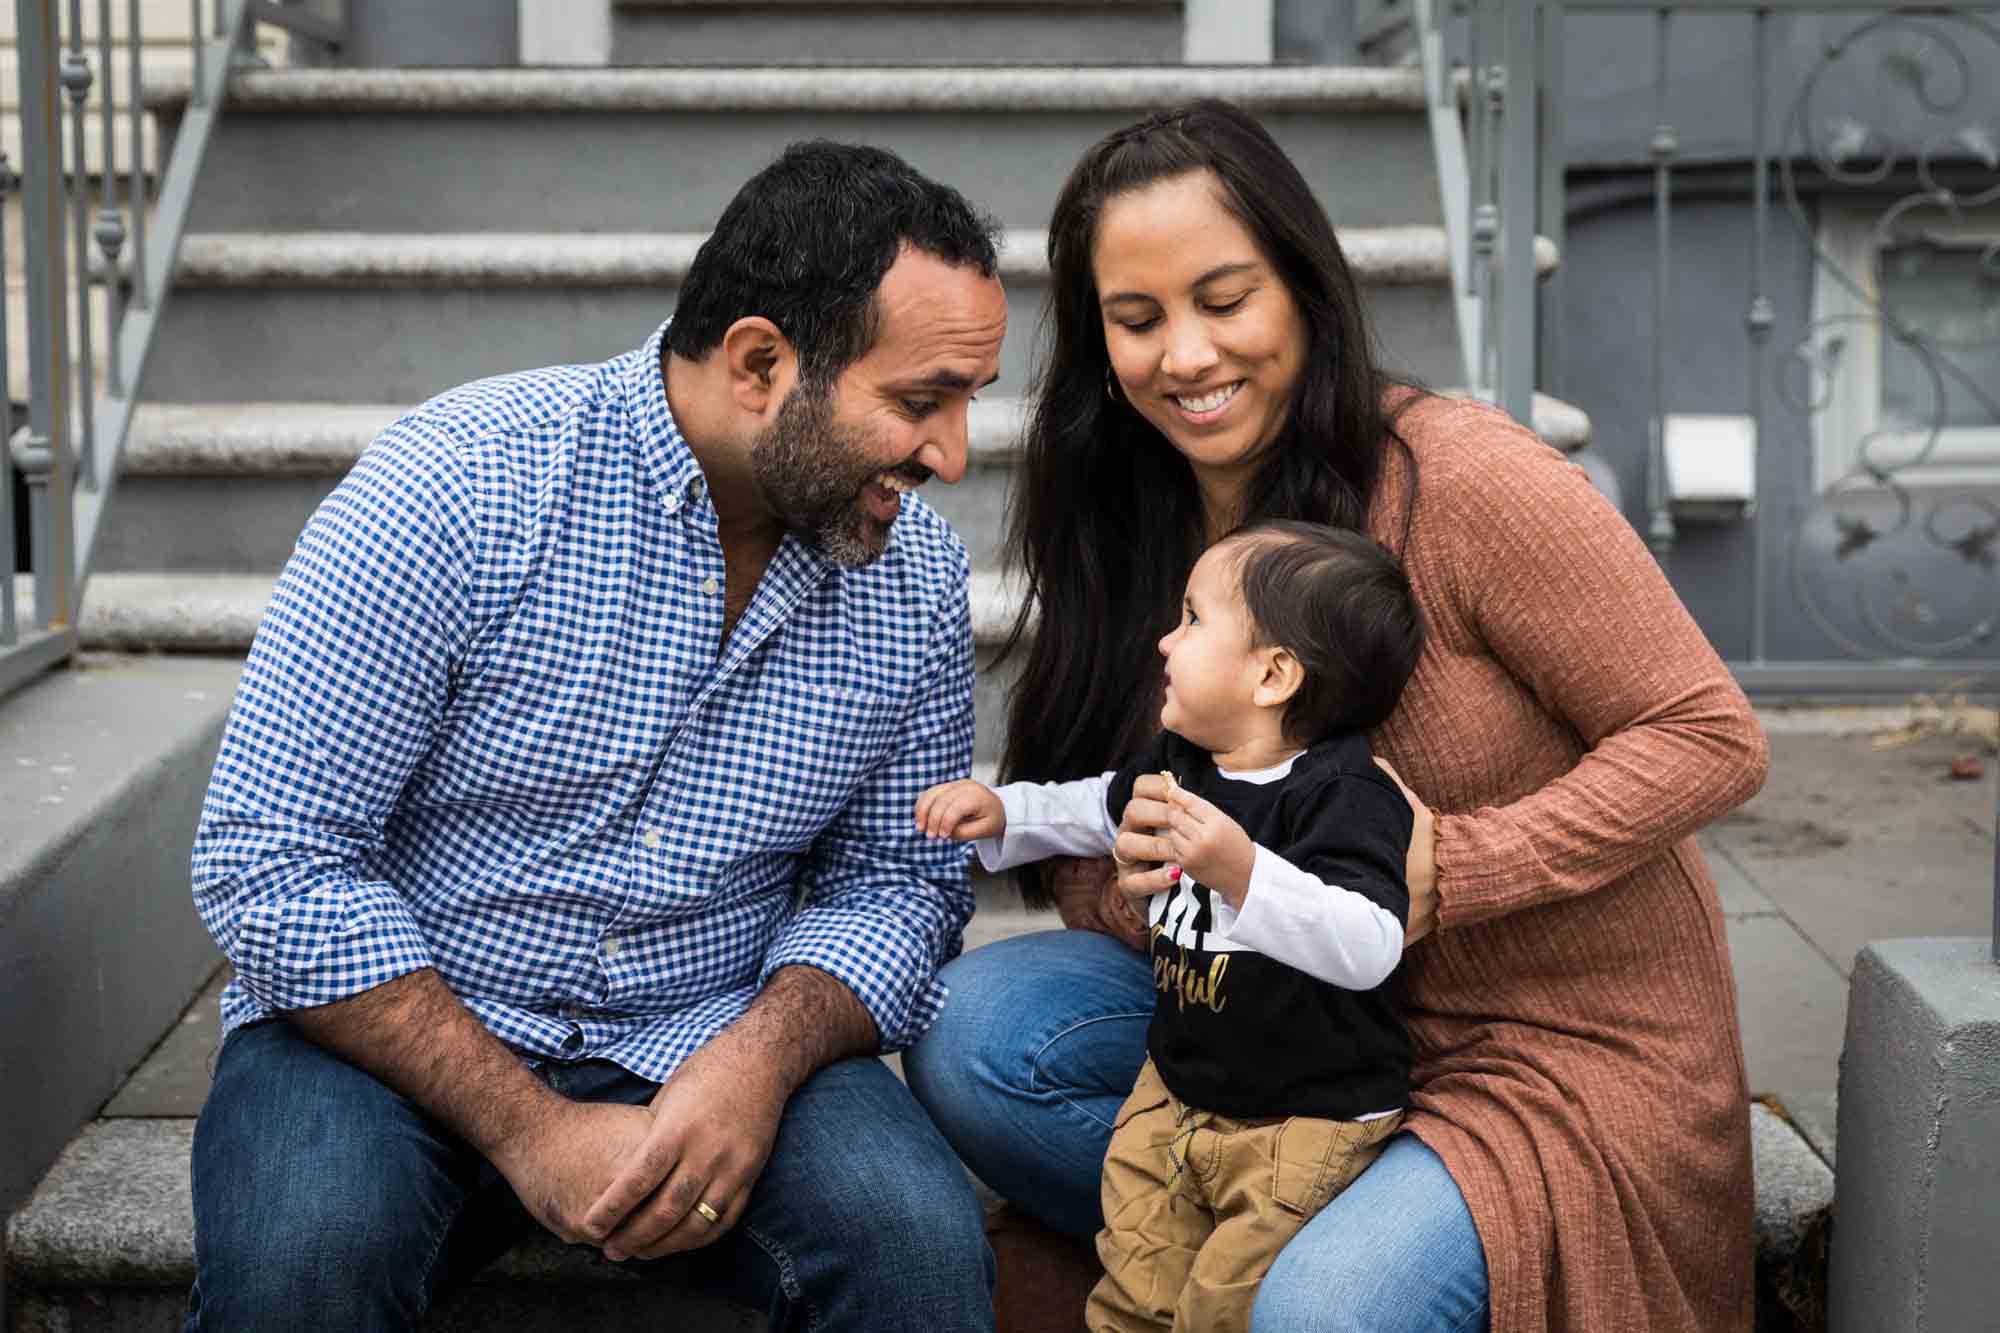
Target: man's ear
{"x": 761, "y": 364}
{"x": 1283, "y": 675}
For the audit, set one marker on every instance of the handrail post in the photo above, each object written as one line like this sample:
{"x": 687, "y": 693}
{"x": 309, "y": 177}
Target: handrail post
{"x": 138, "y": 194}
{"x": 76, "y": 80}
{"x": 1665, "y": 146}
{"x": 109, "y": 229}
{"x": 1448, "y": 156}
{"x": 1518, "y": 174}
{"x": 1551, "y": 193}
{"x": 41, "y": 448}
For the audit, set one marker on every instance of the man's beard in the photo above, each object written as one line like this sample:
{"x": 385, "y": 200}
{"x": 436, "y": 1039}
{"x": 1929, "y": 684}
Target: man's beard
{"x": 813, "y": 470}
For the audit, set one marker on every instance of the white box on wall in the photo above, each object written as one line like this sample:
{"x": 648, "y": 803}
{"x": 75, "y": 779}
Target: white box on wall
{"x": 1711, "y": 466}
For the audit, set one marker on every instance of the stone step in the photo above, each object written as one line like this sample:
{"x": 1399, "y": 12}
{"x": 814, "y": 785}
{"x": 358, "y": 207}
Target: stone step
{"x": 377, "y": 317}
{"x": 227, "y": 487}
{"x": 102, "y": 770}
{"x": 218, "y": 612}
{"x": 159, "y": 20}
{"x": 163, "y": 54}
{"x": 630, "y": 150}
{"x": 895, "y": 32}
{"x": 107, "y": 1241}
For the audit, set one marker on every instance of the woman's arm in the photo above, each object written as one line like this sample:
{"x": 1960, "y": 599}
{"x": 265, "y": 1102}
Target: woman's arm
{"x": 1564, "y": 595}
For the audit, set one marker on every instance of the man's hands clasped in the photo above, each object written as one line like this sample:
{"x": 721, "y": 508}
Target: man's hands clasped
{"x": 641, "y": 1182}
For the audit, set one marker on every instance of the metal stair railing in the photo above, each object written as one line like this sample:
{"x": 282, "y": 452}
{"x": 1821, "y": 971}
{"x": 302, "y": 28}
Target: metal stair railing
{"x": 67, "y": 448}
{"x": 1490, "y": 157}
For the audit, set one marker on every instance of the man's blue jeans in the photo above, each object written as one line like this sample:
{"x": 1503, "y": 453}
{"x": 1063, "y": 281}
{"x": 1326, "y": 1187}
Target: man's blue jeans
{"x": 323, "y": 1199}
{"x": 1038, "y": 1046}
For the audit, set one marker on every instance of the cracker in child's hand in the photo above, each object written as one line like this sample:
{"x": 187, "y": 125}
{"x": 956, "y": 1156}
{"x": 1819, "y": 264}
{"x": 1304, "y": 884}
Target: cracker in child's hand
{"x": 1172, "y": 785}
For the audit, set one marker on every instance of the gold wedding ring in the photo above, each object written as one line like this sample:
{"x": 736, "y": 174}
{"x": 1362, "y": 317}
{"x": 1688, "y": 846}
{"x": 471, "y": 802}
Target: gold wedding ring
{"x": 709, "y": 1214}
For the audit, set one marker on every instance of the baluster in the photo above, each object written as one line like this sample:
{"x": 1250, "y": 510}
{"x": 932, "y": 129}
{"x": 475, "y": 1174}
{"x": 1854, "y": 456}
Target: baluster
{"x": 195, "y": 44}
{"x": 1760, "y": 317}
{"x": 1551, "y": 196}
{"x": 110, "y": 229}
{"x": 8, "y": 518}
{"x": 1515, "y": 391}
{"x": 1476, "y": 145}
{"x": 41, "y": 448}
{"x": 76, "y": 80}
{"x": 220, "y": 27}
{"x": 137, "y": 195}
{"x": 1482, "y": 217}
{"x": 1665, "y": 144}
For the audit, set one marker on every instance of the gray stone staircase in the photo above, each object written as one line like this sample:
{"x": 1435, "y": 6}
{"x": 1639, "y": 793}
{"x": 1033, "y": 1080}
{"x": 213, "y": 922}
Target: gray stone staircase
{"x": 364, "y": 238}
{"x": 897, "y": 32}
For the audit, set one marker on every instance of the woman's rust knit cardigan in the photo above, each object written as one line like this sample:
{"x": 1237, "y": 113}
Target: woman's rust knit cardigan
{"x": 1578, "y": 1067}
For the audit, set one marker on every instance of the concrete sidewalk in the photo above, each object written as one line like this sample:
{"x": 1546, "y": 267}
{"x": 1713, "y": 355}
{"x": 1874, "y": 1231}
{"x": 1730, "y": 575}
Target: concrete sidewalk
{"x": 1860, "y": 834}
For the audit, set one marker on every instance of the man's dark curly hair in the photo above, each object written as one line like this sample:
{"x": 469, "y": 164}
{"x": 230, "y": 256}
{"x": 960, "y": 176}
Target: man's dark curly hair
{"x": 805, "y": 243}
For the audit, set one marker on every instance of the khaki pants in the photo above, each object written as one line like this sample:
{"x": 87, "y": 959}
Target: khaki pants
{"x": 1197, "y": 1205}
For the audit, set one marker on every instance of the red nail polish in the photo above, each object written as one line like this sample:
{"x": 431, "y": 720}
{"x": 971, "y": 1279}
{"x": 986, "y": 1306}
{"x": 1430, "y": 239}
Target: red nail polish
{"x": 1173, "y": 872}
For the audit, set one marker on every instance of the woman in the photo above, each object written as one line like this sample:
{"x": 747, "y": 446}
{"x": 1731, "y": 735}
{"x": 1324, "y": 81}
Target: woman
{"x": 1577, "y": 1149}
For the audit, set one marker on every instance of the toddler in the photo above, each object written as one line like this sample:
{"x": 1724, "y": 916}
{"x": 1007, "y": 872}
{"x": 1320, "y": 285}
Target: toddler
{"x": 1277, "y": 1065}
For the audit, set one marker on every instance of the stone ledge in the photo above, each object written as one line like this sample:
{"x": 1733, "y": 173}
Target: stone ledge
{"x": 711, "y": 91}
{"x": 325, "y": 439}
{"x": 116, "y": 1211}
{"x": 642, "y": 5}
{"x": 182, "y": 613}
{"x": 1379, "y": 256}
{"x": 102, "y": 769}
{"x": 1794, "y": 1217}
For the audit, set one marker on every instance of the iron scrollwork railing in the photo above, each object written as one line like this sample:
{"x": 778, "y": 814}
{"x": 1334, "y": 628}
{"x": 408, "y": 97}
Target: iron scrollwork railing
{"x": 1888, "y": 139}
{"x": 1929, "y": 186}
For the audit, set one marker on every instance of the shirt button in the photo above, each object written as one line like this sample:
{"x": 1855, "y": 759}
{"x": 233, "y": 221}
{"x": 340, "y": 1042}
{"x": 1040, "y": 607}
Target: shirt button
{"x": 612, "y": 946}
{"x": 573, "y": 1011}
{"x": 673, "y": 503}
{"x": 709, "y": 585}
{"x": 651, "y": 838}
{"x": 698, "y": 488}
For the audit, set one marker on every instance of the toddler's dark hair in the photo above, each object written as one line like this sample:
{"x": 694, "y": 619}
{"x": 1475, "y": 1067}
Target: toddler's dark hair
{"x": 1339, "y": 602}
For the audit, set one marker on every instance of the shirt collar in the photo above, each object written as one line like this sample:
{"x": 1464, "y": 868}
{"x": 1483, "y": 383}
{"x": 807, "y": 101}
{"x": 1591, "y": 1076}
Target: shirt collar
{"x": 657, "y": 436}
{"x": 664, "y": 450}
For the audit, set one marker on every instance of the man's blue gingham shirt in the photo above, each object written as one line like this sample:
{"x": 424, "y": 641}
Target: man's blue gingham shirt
{"x": 489, "y": 726}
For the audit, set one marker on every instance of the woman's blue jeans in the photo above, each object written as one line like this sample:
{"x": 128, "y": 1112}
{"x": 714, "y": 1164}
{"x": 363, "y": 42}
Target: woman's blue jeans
{"x": 1037, "y": 1049}
{"x": 325, "y": 1200}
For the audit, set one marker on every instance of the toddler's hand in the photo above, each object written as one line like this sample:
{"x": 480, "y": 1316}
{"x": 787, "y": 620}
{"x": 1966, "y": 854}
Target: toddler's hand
{"x": 962, "y": 811}
{"x": 1209, "y": 845}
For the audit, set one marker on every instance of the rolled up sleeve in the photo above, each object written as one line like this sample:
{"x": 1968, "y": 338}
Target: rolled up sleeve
{"x": 338, "y": 703}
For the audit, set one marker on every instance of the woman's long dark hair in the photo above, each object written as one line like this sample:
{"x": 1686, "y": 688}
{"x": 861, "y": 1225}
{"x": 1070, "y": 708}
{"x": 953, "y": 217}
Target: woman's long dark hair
{"x": 1105, "y": 521}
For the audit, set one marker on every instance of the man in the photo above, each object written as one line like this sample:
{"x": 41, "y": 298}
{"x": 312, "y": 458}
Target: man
{"x": 560, "y": 836}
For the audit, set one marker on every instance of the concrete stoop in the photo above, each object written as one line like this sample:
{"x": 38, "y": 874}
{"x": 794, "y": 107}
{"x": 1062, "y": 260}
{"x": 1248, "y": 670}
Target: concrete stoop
{"x": 107, "y": 1243}
{"x": 107, "y": 1246}
{"x": 1794, "y": 1224}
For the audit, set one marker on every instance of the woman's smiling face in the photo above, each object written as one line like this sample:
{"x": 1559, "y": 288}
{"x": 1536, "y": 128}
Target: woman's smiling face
{"x": 1205, "y": 338}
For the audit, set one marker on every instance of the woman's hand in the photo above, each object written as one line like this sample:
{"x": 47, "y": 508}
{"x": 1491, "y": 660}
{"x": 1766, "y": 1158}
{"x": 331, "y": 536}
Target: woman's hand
{"x": 1143, "y": 851}
{"x": 1421, "y": 868}
{"x": 1208, "y": 845}
{"x": 1087, "y": 898}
